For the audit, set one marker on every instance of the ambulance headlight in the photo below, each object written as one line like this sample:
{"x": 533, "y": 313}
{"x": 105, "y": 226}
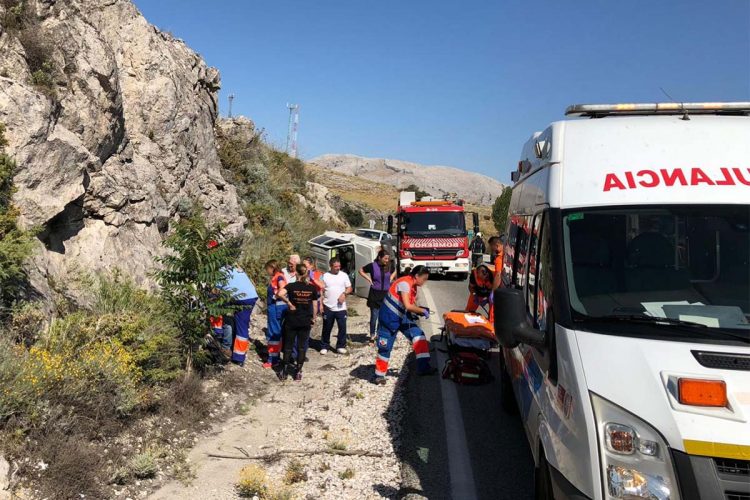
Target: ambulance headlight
{"x": 635, "y": 460}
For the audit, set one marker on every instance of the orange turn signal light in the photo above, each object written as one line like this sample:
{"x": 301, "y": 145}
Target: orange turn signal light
{"x": 698, "y": 392}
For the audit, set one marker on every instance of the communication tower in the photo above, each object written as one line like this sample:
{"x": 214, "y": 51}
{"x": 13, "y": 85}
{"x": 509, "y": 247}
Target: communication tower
{"x": 291, "y": 136}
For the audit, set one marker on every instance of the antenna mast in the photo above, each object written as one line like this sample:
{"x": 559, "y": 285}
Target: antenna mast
{"x": 291, "y": 136}
{"x": 231, "y": 98}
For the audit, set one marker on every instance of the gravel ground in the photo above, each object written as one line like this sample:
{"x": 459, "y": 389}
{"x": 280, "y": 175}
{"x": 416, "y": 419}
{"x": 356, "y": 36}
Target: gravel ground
{"x": 334, "y": 406}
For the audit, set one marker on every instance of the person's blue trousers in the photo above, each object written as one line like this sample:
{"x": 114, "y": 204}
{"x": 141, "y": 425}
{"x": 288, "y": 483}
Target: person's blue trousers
{"x": 329, "y": 317}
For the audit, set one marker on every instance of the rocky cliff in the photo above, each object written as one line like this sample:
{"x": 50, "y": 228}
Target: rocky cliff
{"x": 111, "y": 123}
{"x": 438, "y": 181}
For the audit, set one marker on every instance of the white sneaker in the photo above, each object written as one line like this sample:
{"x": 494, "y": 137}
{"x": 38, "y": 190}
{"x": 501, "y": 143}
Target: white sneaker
{"x": 341, "y": 350}
{"x": 323, "y": 352}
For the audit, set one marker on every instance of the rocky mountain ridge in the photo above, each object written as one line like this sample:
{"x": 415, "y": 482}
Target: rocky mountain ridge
{"x": 111, "y": 124}
{"x": 437, "y": 180}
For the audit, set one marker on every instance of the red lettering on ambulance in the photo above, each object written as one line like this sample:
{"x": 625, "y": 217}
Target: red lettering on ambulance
{"x": 727, "y": 180}
{"x": 670, "y": 179}
{"x": 698, "y": 176}
{"x": 741, "y": 177}
{"x": 649, "y": 184}
{"x": 612, "y": 182}
{"x": 630, "y": 179}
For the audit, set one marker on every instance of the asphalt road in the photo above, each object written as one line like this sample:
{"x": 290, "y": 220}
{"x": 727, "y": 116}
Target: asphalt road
{"x": 489, "y": 455}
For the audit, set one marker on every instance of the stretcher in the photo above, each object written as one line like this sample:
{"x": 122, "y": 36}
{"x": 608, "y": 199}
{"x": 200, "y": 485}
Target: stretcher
{"x": 469, "y": 338}
{"x": 470, "y": 330}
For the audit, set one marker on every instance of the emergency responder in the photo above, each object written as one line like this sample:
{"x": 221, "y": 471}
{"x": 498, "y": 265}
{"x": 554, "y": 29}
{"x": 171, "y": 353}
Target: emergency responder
{"x": 277, "y": 308}
{"x": 477, "y": 248}
{"x": 496, "y": 247}
{"x": 480, "y": 288}
{"x": 244, "y": 300}
{"x": 399, "y": 314}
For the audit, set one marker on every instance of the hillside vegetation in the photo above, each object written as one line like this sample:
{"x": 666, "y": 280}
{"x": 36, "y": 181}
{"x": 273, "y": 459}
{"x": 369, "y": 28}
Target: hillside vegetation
{"x": 377, "y": 198}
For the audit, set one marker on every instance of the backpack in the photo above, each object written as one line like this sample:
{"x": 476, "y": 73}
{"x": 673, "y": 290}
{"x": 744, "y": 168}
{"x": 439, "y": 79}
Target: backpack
{"x": 467, "y": 368}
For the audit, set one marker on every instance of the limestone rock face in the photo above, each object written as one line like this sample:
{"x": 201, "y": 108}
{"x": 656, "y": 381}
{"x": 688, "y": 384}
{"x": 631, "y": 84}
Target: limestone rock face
{"x": 436, "y": 180}
{"x": 117, "y": 142}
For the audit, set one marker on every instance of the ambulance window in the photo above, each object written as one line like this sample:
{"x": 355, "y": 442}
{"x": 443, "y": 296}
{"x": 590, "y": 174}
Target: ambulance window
{"x": 545, "y": 287}
{"x": 520, "y": 251}
{"x": 533, "y": 264}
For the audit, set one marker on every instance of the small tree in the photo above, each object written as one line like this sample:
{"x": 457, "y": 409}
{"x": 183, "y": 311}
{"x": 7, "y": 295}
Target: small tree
{"x": 16, "y": 245}
{"x": 193, "y": 280}
{"x": 500, "y": 210}
{"x": 419, "y": 192}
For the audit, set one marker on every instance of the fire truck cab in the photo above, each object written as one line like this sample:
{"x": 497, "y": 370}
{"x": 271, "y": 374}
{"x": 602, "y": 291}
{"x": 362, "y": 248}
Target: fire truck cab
{"x": 432, "y": 233}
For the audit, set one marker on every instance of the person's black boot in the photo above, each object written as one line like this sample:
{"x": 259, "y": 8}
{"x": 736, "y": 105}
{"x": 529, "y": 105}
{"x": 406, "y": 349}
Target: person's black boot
{"x": 283, "y": 373}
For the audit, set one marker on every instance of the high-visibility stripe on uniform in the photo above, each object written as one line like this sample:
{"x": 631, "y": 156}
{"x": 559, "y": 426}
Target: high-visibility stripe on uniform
{"x": 395, "y": 307}
{"x": 381, "y": 365}
{"x": 241, "y": 345}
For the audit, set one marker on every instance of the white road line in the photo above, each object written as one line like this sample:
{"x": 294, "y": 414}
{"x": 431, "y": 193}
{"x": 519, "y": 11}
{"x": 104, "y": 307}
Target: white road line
{"x": 459, "y": 462}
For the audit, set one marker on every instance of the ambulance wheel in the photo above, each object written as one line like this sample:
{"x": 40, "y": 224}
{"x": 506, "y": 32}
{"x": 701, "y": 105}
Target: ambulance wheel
{"x": 543, "y": 480}
{"x": 507, "y": 399}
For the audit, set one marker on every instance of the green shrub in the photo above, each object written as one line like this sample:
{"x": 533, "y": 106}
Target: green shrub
{"x": 353, "y": 216}
{"x": 193, "y": 280}
{"x": 16, "y": 245}
{"x": 500, "y": 210}
{"x": 143, "y": 465}
{"x": 419, "y": 192}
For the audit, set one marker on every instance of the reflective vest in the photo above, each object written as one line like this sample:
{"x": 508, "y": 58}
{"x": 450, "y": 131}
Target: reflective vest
{"x": 274, "y": 286}
{"x": 482, "y": 287}
{"x": 393, "y": 302}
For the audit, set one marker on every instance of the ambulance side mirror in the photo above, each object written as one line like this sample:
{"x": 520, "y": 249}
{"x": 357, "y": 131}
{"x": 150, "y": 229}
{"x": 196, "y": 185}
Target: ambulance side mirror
{"x": 390, "y": 224}
{"x": 511, "y": 321}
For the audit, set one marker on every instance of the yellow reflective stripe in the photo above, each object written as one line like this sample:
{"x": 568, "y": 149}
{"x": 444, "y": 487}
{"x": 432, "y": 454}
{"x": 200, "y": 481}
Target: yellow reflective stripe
{"x": 720, "y": 450}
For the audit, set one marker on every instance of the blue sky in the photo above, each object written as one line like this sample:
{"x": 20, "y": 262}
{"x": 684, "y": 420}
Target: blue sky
{"x": 455, "y": 83}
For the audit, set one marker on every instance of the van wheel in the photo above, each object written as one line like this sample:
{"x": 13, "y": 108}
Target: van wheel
{"x": 507, "y": 399}
{"x": 543, "y": 480}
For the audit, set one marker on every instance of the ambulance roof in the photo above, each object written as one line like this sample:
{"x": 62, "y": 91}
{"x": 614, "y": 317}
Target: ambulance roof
{"x": 655, "y": 159}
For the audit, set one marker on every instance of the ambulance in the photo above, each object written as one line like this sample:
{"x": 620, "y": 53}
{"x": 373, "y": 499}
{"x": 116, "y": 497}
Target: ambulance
{"x": 624, "y": 310}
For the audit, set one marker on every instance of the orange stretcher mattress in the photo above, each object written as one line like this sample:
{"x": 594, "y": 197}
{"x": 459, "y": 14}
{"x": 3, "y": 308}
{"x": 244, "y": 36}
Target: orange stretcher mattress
{"x": 472, "y": 325}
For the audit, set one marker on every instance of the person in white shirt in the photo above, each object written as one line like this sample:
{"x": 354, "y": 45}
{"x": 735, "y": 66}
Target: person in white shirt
{"x": 337, "y": 287}
{"x": 289, "y": 270}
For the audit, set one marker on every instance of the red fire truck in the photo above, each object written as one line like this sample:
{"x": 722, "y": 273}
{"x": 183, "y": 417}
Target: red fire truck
{"x": 432, "y": 232}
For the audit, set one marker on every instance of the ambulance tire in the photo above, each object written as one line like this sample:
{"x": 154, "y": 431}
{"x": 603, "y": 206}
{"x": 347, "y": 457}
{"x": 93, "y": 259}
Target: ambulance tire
{"x": 543, "y": 479}
{"x": 507, "y": 398}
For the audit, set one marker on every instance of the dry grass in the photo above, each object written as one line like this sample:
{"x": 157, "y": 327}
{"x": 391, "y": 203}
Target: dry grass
{"x": 295, "y": 472}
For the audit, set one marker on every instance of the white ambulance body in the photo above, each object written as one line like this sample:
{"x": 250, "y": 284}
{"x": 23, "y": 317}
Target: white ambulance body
{"x": 624, "y": 312}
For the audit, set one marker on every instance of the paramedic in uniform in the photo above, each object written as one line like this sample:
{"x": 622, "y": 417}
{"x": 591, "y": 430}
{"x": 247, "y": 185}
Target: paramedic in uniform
{"x": 496, "y": 246}
{"x": 398, "y": 314}
{"x": 480, "y": 287}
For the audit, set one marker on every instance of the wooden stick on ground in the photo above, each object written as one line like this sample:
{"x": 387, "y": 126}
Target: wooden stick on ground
{"x": 329, "y": 451}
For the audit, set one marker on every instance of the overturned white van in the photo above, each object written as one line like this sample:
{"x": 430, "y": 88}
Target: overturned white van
{"x": 624, "y": 312}
{"x": 354, "y": 250}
